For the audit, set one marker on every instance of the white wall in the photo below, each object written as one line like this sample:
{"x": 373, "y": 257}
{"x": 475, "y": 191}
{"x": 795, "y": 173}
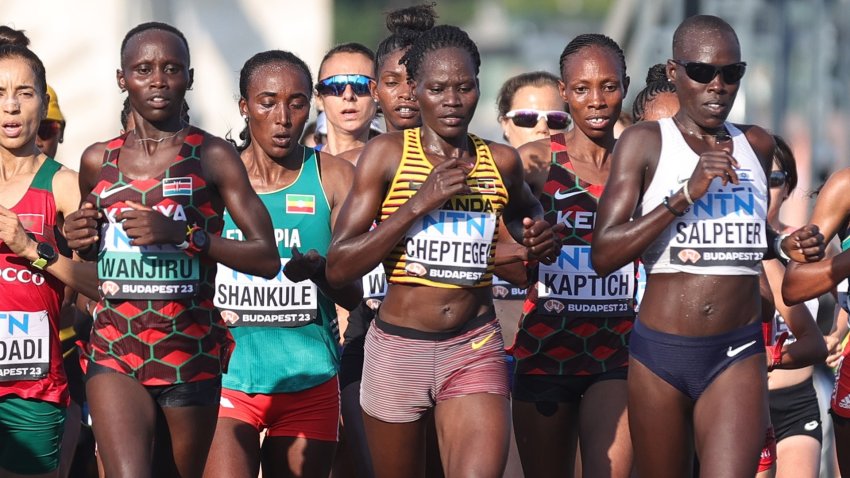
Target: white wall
{"x": 78, "y": 41}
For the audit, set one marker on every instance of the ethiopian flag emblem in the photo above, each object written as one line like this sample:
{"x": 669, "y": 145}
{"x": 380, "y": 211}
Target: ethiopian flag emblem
{"x": 300, "y": 204}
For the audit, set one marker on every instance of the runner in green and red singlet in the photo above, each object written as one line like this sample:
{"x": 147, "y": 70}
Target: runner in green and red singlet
{"x": 154, "y": 208}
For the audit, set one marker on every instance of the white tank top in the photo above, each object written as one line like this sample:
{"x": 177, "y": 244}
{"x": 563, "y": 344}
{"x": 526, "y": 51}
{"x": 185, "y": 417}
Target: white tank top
{"x": 724, "y": 232}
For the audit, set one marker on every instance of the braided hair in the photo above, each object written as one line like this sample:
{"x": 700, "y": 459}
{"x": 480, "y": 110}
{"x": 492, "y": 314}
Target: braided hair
{"x": 405, "y": 25}
{"x": 143, "y": 27}
{"x": 656, "y": 83}
{"x": 439, "y": 37}
{"x": 588, "y": 40}
{"x": 249, "y": 69}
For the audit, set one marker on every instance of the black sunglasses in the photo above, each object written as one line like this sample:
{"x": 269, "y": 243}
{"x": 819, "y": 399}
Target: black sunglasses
{"x": 528, "y": 118}
{"x": 777, "y": 179}
{"x": 705, "y": 72}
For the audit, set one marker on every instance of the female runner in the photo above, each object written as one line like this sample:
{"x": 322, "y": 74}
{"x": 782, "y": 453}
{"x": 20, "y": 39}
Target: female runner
{"x": 155, "y": 201}
{"x": 696, "y": 187}
{"x": 437, "y": 193}
{"x": 571, "y": 349}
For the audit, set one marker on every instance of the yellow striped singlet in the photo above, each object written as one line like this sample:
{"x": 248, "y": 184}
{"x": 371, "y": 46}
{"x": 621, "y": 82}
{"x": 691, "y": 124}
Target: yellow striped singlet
{"x": 454, "y": 246}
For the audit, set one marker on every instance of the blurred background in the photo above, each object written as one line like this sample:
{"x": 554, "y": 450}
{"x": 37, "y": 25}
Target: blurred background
{"x": 796, "y": 82}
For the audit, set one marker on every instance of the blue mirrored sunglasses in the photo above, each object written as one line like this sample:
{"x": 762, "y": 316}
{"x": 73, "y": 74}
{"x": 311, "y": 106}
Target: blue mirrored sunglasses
{"x": 335, "y": 85}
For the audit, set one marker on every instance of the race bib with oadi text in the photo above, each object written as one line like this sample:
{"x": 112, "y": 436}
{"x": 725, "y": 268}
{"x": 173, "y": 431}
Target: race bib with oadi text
{"x": 24, "y": 345}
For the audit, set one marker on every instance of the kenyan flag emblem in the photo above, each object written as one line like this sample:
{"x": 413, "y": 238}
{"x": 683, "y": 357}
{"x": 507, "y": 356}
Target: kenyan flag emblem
{"x": 300, "y": 204}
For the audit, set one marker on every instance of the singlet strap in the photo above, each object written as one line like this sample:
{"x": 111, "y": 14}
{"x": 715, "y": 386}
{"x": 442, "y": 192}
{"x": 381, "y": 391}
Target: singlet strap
{"x": 43, "y": 178}
{"x": 558, "y": 144}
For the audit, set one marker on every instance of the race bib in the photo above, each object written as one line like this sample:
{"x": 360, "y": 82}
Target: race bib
{"x": 160, "y": 272}
{"x": 570, "y": 287}
{"x": 249, "y": 301}
{"x": 375, "y": 287}
{"x": 24, "y": 345}
{"x": 723, "y": 228}
{"x": 451, "y": 247}
{"x": 504, "y": 290}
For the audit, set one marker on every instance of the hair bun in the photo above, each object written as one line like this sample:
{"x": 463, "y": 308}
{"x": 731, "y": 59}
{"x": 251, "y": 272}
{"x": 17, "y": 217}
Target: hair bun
{"x": 412, "y": 20}
{"x": 656, "y": 73}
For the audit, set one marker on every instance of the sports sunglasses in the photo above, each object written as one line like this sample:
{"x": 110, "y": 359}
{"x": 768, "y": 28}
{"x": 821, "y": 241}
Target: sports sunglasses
{"x": 335, "y": 85}
{"x": 705, "y": 72}
{"x": 529, "y": 118}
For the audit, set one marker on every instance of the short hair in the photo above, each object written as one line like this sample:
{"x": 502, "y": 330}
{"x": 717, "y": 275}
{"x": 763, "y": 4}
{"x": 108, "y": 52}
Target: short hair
{"x": 143, "y": 27}
{"x": 785, "y": 158}
{"x": 588, "y": 40}
{"x": 24, "y": 53}
{"x": 351, "y": 47}
{"x": 437, "y": 38}
{"x": 656, "y": 83}
{"x": 709, "y": 24}
{"x": 505, "y": 98}
{"x": 405, "y": 25}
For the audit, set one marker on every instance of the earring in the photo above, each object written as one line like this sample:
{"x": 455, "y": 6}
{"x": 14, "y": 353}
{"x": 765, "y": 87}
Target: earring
{"x": 245, "y": 117}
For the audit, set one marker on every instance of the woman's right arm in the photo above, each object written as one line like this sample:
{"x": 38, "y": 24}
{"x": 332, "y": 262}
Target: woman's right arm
{"x": 355, "y": 250}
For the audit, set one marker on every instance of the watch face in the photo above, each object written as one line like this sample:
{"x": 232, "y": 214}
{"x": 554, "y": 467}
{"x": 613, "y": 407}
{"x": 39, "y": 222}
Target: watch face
{"x": 199, "y": 239}
{"x": 46, "y": 251}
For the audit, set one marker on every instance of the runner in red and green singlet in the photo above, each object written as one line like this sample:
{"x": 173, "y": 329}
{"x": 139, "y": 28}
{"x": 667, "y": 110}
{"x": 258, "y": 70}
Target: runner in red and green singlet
{"x": 33, "y": 386}
{"x": 571, "y": 350}
{"x": 158, "y": 346}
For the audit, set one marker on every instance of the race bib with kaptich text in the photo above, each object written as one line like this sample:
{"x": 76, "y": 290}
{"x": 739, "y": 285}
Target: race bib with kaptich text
{"x": 570, "y": 287}
{"x": 159, "y": 272}
{"x": 249, "y": 301}
{"x": 24, "y": 345}
{"x": 451, "y": 247}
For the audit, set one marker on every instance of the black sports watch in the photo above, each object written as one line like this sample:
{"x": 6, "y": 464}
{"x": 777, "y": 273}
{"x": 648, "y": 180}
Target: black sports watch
{"x": 46, "y": 255}
{"x": 199, "y": 241}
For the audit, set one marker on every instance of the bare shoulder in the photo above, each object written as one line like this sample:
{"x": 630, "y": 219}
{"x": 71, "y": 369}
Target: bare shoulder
{"x": 218, "y": 146}
{"x": 383, "y": 150}
{"x": 66, "y": 190}
{"x": 761, "y": 141}
{"x": 639, "y": 142}
{"x": 93, "y": 154}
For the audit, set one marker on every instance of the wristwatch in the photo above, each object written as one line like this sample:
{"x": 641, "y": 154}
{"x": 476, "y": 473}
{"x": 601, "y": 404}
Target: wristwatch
{"x": 198, "y": 239}
{"x": 46, "y": 255}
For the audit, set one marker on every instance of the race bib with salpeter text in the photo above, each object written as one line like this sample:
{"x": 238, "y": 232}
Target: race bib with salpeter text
{"x": 723, "y": 228}
{"x": 24, "y": 345}
{"x": 452, "y": 247}
{"x": 249, "y": 301}
{"x": 161, "y": 272}
{"x": 570, "y": 287}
